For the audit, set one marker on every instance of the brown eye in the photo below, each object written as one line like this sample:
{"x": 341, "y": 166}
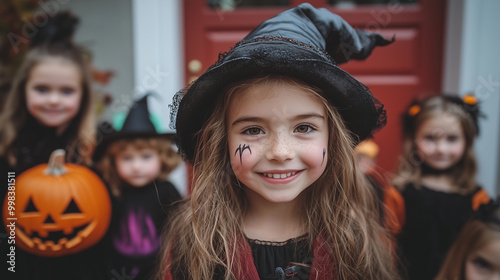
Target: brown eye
{"x": 303, "y": 128}
{"x": 253, "y": 131}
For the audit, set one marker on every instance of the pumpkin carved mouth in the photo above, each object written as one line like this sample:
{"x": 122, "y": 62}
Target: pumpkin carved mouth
{"x": 56, "y": 240}
{"x": 55, "y": 236}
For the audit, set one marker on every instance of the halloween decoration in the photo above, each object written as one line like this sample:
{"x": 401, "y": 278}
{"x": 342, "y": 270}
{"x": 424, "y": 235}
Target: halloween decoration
{"x": 60, "y": 208}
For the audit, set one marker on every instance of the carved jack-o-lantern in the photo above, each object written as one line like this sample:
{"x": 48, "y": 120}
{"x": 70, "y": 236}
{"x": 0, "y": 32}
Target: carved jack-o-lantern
{"x": 60, "y": 208}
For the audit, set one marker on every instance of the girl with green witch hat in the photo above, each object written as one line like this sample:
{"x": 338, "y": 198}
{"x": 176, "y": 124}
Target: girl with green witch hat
{"x": 135, "y": 161}
{"x": 270, "y": 130}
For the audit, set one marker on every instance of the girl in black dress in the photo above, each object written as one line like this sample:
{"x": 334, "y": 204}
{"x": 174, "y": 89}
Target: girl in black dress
{"x": 437, "y": 179}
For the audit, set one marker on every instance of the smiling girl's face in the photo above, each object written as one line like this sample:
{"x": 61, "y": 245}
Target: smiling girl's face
{"x": 278, "y": 139}
{"x": 54, "y": 92}
{"x": 440, "y": 141}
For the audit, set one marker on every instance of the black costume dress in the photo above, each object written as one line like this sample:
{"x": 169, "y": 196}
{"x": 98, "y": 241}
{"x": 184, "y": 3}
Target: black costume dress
{"x": 271, "y": 255}
{"x": 433, "y": 221}
{"x": 134, "y": 235}
{"x": 33, "y": 146}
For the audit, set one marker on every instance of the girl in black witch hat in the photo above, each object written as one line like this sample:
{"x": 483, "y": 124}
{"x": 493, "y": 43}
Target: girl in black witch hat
{"x": 270, "y": 130}
{"x": 135, "y": 161}
{"x": 437, "y": 179}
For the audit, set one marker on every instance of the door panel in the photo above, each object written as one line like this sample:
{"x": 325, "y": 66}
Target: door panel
{"x": 389, "y": 138}
{"x": 403, "y": 56}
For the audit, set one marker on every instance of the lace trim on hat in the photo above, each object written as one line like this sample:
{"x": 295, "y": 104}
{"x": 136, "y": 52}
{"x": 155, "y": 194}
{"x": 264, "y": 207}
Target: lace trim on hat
{"x": 320, "y": 52}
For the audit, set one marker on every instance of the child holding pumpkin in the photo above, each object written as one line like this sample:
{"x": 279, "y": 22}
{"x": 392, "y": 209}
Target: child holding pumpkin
{"x": 437, "y": 179}
{"x": 48, "y": 107}
{"x": 135, "y": 161}
{"x": 270, "y": 131}
{"x": 61, "y": 211}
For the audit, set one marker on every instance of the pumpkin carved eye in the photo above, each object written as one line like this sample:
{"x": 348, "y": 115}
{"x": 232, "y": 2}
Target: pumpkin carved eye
{"x": 30, "y": 208}
{"x": 72, "y": 208}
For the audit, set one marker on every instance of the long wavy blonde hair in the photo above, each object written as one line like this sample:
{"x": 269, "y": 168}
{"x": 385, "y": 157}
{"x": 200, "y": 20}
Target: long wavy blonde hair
{"x": 410, "y": 168}
{"x": 202, "y": 240}
{"x": 14, "y": 113}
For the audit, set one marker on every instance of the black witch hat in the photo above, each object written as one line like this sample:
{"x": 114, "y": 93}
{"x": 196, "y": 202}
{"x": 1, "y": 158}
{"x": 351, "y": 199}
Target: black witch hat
{"x": 59, "y": 30}
{"x": 303, "y": 42}
{"x": 137, "y": 124}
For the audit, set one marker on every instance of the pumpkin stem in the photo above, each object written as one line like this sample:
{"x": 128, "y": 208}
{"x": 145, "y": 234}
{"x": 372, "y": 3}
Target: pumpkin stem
{"x": 56, "y": 163}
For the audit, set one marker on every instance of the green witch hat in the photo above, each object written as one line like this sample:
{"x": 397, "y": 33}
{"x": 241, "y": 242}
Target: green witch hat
{"x": 138, "y": 123}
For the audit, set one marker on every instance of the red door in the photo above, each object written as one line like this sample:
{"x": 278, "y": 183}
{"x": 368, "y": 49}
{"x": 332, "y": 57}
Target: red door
{"x": 395, "y": 74}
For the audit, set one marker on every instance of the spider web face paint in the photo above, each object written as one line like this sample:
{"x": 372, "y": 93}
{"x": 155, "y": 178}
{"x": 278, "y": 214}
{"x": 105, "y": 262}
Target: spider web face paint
{"x": 241, "y": 150}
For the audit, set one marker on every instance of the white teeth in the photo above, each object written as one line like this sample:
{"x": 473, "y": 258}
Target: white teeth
{"x": 279, "y": 176}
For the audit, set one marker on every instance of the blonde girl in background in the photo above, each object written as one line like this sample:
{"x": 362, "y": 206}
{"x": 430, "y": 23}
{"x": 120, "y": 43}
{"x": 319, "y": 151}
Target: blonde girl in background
{"x": 437, "y": 179}
{"x": 49, "y": 105}
{"x": 270, "y": 130}
{"x": 475, "y": 255}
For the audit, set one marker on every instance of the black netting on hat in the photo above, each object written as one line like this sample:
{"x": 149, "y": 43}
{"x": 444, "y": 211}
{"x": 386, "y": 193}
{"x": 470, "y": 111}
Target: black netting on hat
{"x": 382, "y": 116}
{"x": 174, "y": 106}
